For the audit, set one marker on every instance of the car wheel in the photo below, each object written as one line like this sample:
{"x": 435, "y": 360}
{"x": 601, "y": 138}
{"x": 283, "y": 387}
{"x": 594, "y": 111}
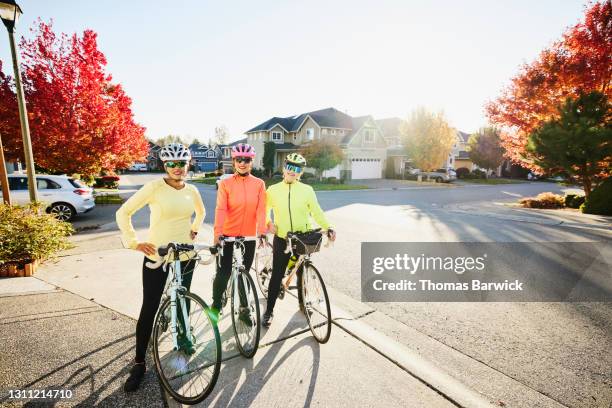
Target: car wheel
{"x": 63, "y": 211}
{"x": 439, "y": 180}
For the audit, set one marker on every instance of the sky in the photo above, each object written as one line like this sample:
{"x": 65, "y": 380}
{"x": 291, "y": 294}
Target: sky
{"x": 191, "y": 66}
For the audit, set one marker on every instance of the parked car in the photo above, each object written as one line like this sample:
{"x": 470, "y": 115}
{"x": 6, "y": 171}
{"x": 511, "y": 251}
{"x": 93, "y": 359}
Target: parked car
{"x": 138, "y": 167}
{"x": 222, "y": 177}
{"x": 66, "y": 196}
{"x": 440, "y": 175}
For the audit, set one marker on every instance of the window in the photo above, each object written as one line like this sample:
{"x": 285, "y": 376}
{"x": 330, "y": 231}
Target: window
{"x": 295, "y": 138}
{"x": 333, "y": 131}
{"x": 45, "y": 184}
{"x": 18, "y": 183}
{"x": 310, "y": 133}
{"x": 211, "y": 154}
{"x": 324, "y": 131}
{"x": 77, "y": 183}
{"x": 368, "y": 136}
{"x": 277, "y": 136}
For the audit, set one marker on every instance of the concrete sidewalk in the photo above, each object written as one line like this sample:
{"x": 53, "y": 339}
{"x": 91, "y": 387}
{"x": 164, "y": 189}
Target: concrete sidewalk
{"x": 342, "y": 372}
{"x": 47, "y": 343}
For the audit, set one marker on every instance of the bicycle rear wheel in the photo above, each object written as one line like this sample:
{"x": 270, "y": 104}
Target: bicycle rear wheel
{"x": 316, "y": 303}
{"x": 245, "y": 315}
{"x": 188, "y": 378}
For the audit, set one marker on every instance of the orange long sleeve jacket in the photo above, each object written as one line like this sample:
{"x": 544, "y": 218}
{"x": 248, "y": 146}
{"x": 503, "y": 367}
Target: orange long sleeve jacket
{"x": 241, "y": 207}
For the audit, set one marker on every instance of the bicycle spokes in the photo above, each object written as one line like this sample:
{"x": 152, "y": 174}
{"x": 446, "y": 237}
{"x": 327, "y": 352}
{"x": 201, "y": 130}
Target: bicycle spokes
{"x": 189, "y": 370}
{"x": 316, "y": 304}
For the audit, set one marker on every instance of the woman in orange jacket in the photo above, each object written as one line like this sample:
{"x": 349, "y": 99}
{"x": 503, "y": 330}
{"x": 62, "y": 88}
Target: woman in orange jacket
{"x": 240, "y": 212}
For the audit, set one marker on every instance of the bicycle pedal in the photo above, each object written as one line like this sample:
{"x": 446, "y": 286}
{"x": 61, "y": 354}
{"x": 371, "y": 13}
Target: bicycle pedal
{"x": 281, "y": 294}
{"x": 292, "y": 287}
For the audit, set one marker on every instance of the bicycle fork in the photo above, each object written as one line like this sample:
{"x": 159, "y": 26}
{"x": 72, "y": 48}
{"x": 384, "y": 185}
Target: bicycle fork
{"x": 178, "y": 287}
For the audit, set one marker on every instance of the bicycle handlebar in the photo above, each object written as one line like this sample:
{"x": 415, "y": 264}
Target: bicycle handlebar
{"x": 173, "y": 247}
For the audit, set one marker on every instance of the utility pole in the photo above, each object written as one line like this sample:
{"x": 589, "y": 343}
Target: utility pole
{"x": 6, "y": 197}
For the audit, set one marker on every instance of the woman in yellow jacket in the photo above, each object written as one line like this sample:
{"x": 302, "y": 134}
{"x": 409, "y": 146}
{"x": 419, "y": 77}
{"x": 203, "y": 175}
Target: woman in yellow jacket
{"x": 172, "y": 203}
{"x": 292, "y": 203}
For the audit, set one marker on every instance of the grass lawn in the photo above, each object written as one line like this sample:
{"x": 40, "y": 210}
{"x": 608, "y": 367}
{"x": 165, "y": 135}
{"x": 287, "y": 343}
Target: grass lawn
{"x": 106, "y": 190}
{"x": 208, "y": 180}
{"x": 109, "y": 199}
{"x": 493, "y": 181}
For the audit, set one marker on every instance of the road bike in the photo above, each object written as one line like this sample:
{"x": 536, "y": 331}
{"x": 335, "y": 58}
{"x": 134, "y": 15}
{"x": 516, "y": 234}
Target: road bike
{"x": 244, "y": 302}
{"x": 312, "y": 293}
{"x": 186, "y": 340}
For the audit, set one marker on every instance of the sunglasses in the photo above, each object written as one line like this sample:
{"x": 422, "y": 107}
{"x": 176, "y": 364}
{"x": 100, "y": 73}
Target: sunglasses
{"x": 246, "y": 160}
{"x": 293, "y": 167}
{"x": 175, "y": 164}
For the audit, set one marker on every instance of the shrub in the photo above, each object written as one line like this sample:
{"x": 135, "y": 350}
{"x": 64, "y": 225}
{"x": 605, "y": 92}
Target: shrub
{"x": 543, "y": 200}
{"x": 477, "y": 173}
{"x": 28, "y": 233}
{"x": 332, "y": 180}
{"x": 307, "y": 176}
{"x": 574, "y": 200}
{"x": 109, "y": 181}
{"x": 600, "y": 199}
{"x": 462, "y": 172}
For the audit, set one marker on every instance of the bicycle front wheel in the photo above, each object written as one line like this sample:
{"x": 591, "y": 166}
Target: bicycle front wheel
{"x": 262, "y": 267}
{"x": 245, "y": 315}
{"x": 190, "y": 372}
{"x": 316, "y": 303}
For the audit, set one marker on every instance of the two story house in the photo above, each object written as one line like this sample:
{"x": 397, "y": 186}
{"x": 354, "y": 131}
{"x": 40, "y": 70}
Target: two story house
{"x": 205, "y": 158}
{"x": 360, "y": 138}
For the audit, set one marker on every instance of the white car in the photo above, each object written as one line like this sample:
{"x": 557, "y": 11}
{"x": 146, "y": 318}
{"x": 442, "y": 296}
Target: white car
{"x": 138, "y": 167}
{"x": 66, "y": 196}
{"x": 222, "y": 177}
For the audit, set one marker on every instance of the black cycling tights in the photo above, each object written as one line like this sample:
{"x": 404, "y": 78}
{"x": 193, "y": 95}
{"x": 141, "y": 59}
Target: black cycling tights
{"x": 224, "y": 272}
{"x": 279, "y": 264}
{"x": 153, "y": 283}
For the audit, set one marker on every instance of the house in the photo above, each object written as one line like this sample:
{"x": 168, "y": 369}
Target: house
{"x": 360, "y": 138}
{"x": 153, "y": 161}
{"x": 226, "y": 155}
{"x": 397, "y": 158}
{"x": 460, "y": 156}
{"x": 205, "y": 158}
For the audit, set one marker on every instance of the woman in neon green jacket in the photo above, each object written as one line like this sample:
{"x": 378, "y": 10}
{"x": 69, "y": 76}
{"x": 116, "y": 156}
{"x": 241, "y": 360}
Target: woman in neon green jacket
{"x": 292, "y": 204}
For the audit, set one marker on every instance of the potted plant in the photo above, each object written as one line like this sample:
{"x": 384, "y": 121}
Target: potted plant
{"x": 28, "y": 235}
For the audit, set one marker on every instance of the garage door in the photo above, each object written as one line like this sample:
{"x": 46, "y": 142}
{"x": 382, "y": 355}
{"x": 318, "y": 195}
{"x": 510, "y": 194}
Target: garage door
{"x": 366, "y": 168}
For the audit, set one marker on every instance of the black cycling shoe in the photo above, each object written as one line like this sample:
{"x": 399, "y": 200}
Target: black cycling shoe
{"x": 136, "y": 374}
{"x": 267, "y": 319}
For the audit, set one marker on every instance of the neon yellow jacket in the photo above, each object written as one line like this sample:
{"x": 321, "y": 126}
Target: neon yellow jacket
{"x": 292, "y": 205}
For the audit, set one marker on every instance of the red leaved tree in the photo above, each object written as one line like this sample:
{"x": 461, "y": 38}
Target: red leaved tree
{"x": 80, "y": 121}
{"x": 579, "y": 62}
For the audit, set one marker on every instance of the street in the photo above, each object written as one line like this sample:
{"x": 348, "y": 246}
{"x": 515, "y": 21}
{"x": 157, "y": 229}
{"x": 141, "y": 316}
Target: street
{"x": 541, "y": 346}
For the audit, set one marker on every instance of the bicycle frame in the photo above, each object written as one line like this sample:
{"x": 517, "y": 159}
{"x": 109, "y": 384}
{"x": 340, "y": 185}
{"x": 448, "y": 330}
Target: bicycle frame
{"x": 174, "y": 289}
{"x": 238, "y": 260}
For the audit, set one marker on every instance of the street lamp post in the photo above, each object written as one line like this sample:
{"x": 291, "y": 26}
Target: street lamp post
{"x": 10, "y": 13}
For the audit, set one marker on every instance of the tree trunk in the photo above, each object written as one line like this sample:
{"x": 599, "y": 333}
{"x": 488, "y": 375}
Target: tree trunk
{"x": 586, "y": 182}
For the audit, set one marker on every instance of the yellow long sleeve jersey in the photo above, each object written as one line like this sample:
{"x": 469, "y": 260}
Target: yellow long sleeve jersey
{"x": 292, "y": 205}
{"x": 171, "y": 212}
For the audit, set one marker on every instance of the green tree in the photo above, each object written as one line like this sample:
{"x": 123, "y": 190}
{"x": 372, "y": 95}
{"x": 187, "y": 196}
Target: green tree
{"x": 169, "y": 139}
{"x": 579, "y": 142}
{"x": 428, "y": 138}
{"x": 485, "y": 148}
{"x": 268, "y": 157}
{"x": 322, "y": 155}
{"x": 195, "y": 141}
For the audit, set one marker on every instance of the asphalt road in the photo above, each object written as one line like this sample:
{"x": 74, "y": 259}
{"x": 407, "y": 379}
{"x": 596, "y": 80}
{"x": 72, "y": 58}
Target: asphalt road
{"x": 560, "y": 350}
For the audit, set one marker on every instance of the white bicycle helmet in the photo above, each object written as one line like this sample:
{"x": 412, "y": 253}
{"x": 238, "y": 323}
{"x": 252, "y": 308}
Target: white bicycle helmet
{"x": 174, "y": 151}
